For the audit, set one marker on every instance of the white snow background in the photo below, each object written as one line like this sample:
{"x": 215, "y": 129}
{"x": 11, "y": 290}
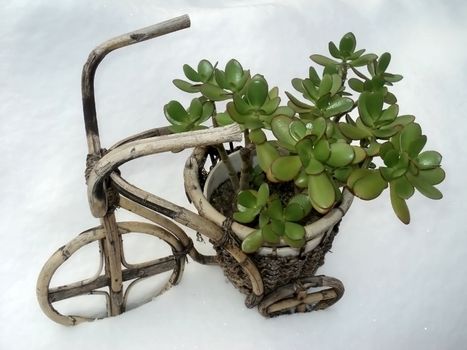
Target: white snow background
{"x": 405, "y": 285}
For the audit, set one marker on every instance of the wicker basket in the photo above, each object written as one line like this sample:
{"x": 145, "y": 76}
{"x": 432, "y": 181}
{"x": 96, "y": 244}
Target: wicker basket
{"x": 278, "y": 265}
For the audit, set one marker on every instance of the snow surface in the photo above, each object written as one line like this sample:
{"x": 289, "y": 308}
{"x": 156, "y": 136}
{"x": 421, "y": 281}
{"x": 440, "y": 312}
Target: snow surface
{"x": 405, "y": 286}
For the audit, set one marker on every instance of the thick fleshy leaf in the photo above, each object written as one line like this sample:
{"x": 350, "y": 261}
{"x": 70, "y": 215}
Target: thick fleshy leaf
{"x": 403, "y": 187}
{"x": 334, "y": 51}
{"x": 389, "y": 115}
{"x": 311, "y": 91}
{"x": 266, "y": 154}
{"x": 240, "y": 105}
{"x": 294, "y": 243}
{"x": 314, "y": 167}
{"x": 336, "y": 84}
{"x": 432, "y": 176}
{"x": 286, "y": 168}
{"x": 400, "y": 207}
{"x": 374, "y": 104}
{"x": 294, "y": 231}
{"x": 352, "y": 132}
{"x": 247, "y": 199}
{"x": 280, "y": 128}
{"x": 369, "y": 186}
{"x": 364, "y": 60}
{"x": 302, "y": 200}
{"x": 356, "y": 85}
{"x": 298, "y": 85}
{"x": 195, "y": 109}
{"x": 297, "y": 130}
{"x": 321, "y": 191}
{"x": 342, "y": 154}
{"x": 257, "y": 91}
{"x": 360, "y": 155}
{"x": 356, "y": 175}
{"x": 401, "y": 120}
{"x": 297, "y": 102}
{"x": 262, "y": 195}
{"x": 383, "y": 63}
{"x": 347, "y": 44}
{"x": 342, "y": 174}
{"x": 357, "y": 54}
{"x": 205, "y": 70}
{"x": 373, "y": 149}
{"x": 301, "y": 181}
{"x": 257, "y": 136}
{"x": 275, "y": 210}
{"x": 323, "y": 60}
{"x": 318, "y": 127}
{"x": 325, "y": 86}
{"x": 424, "y": 187}
{"x": 270, "y": 105}
{"x": 293, "y": 212}
{"x": 233, "y": 72}
{"x": 175, "y": 113}
{"x": 409, "y": 134}
{"x": 185, "y": 86}
{"x": 386, "y": 133}
{"x": 429, "y": 160}
{"x": 269, "y": 235}
{"x": 223, "y": 119}
{"x": 213, "y": 92}
{"x": 338, "y": 106}
{"x": 321, "y": 150}
{"x": 392, "y": 78}
{"x": 221, "y": 79}
{"x": 313, "y": 75}
{"x": 245, "y": 216}
{"x": 191, "y": 74}
{"x": 416, "y": 146}
{"x": 390, "y": 98}
{"x": 304, "y": 149}
{"x": 252, "y": 242}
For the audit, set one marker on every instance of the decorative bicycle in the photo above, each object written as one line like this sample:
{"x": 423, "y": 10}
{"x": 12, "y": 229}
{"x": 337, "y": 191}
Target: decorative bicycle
{"x": 274, "y": 293}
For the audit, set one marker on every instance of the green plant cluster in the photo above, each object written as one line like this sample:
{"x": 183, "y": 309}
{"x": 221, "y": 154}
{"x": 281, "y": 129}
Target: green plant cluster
{"x": 326, "y": 140}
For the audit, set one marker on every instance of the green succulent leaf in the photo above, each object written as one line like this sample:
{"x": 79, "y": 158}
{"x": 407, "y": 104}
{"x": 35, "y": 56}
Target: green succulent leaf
{"x": 175, "y": 113}
{"x": 322, "y": 150}
{"x": 269, "y": 235}
{"x": 294, "y": 243}
{"x": 383, "y": 63}
{"x": 262, "y": 195}
{"x": 416, "y": 146}
{"x": 338, "y": 106}
{"x": 342, "y": 154}
{"x": 352, "y": 132}
{"x": 334, "y": 51}
{"x": 223, "y": 119}
{"x": 424, "y": 187}
{"x": 429, "y": 160}
{"x": 314, "y": 167}
{"x": 185, "y": 86}
{"x": 252, "y": 242}
{"x": 257, "y": 91}
{"x": 321, "y": 192}
{"x": 275, "y": 211}
{"x": 280, "y": 126}
{"x": 234, "y": 72}
{"x": 205, "y": 70}
{"x": 364, "y": 60}
{"x": 266, "y": 154}
{"x": 323, "y": 60}
{"x": 347, "y": 44}
{"x": 432, "y": 176}
{"x": 399, "y": 206}
{"x": 213, "y": 92}
{"x": 294, "y": 231}
{"x": 370, "y": 185}
{"x": 403, "y": 187}
{"x": 356, "y": 85}
{"x": 246, "y": 216}
{"x": 191, "y": 74}
{"x": 286, "y": 168}
{"x": 293, "y": 212}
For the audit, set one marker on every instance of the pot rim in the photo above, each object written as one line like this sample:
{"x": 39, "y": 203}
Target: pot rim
{"x": 314, "y": 231}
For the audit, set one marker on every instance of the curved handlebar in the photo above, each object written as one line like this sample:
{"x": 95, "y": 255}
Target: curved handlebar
{"x": 98, "y": 54}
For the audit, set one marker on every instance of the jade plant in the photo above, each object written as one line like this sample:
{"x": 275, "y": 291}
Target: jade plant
{"x": 344, "y": 131}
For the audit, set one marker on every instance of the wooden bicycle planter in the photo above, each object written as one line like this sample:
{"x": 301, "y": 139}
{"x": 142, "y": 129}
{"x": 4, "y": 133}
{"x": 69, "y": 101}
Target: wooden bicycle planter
{"x": 276, "y": 279}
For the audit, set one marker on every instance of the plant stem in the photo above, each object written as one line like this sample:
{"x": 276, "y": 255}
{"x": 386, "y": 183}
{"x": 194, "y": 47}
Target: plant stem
{"x": 225, "y": 158}
{"x": 245, "y": 154}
